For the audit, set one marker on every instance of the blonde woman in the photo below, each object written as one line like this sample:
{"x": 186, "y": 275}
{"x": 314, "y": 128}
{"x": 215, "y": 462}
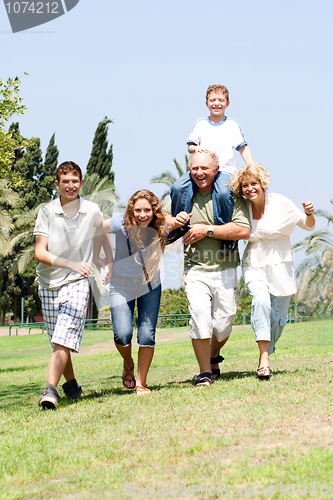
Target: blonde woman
{"x": 267, "y": 261}
{"x": 140, "y": 240}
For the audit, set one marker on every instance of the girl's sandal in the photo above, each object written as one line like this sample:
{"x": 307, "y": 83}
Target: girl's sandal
{"x": 128, "y": 378}
{"x": 264, "y": 373}
{"x": 141, "y": 390}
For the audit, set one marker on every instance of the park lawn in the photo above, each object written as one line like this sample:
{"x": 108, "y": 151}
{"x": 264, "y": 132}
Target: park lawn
{"x": 253, "y": 438}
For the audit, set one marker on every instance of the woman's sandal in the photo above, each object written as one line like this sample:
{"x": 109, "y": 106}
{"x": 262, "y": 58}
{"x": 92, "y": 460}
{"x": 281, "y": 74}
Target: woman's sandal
{"x": 128, "y": 376}
{"x": 216, "y": 371}
{"x": 141, "y": 390}
{"x": 264, "y": 373}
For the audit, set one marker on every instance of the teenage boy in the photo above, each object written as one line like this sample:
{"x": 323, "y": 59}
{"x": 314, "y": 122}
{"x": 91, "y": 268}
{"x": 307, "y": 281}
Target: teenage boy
{"x": 64, "y": 232}
{"x": 217, "y": 134}
{"x": 210, "y": 278}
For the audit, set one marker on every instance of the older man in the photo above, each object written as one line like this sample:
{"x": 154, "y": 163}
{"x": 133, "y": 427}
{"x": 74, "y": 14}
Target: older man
{"x": 210, "y": 275}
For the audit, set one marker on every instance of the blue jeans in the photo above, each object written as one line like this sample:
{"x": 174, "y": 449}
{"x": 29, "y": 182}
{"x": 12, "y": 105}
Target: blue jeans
{"x": 183, "y": 189}
{"x": 122, "y": 311}
{"x": 269, "y": 314}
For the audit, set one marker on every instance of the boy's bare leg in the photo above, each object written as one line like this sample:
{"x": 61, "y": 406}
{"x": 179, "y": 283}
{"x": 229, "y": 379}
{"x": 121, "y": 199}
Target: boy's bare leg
{"x": 58, "y": 364}
{"x": 128, "y": 372}
{"x": 69, "y": 370}
{"x": 202, "y": 351}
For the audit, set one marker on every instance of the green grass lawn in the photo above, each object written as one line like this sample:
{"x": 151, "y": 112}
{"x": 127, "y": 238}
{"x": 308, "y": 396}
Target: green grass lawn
{"x": 239, "y": 438}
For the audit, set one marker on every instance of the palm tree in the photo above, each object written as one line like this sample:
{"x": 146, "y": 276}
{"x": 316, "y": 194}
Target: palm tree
{"x": 168, "y": 179}
{"x": 98, "y": 191}
{"x": 316, "y": 271}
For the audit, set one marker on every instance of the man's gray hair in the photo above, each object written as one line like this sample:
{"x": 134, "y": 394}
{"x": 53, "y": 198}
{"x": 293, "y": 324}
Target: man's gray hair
{"x": 214, "y": 156}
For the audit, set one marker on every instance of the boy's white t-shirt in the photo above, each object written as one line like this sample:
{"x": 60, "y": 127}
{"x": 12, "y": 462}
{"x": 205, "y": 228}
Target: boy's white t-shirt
{"x": 69, "y": 238}
{"x": 220, "y": 138}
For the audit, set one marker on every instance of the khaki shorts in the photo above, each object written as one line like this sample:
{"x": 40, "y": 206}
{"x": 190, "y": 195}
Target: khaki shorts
{"x": 212, "y": 302}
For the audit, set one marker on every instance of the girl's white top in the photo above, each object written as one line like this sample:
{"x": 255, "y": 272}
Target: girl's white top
{"x": 268, "y": 256}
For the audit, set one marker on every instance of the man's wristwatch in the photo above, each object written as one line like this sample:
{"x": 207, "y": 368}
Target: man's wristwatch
{"x": 210, "y": 231}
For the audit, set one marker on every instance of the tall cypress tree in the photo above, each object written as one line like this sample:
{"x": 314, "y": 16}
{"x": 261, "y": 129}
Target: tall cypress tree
{"x": 47, "y": 173}
{"x": 100, "y": 159}
{"x": 29, "y": 165}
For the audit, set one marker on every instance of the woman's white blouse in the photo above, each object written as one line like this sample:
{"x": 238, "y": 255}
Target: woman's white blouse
{"x": 268, "y": 255}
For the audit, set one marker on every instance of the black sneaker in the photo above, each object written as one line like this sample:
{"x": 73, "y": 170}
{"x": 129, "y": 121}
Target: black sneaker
{"x": 48, "y": 400}
{"x": 72, "y": 389}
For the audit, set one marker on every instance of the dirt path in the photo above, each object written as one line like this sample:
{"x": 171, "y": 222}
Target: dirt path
{"x": 4, "y": 332}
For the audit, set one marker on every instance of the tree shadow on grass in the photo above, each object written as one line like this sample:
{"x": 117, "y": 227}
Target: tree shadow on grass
{"x": 227, "y": 376}
{"x": 14, "y": 395}
{"x": 20, "y": 368}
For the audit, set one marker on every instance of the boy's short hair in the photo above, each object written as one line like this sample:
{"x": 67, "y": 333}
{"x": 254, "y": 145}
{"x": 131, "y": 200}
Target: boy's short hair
{"x": 218, "y": 88}
{"x": 68, "y": 166}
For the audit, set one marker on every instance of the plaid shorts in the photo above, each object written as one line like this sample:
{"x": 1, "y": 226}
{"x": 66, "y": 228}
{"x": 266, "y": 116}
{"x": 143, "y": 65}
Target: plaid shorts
{"x": 64, "y": 313}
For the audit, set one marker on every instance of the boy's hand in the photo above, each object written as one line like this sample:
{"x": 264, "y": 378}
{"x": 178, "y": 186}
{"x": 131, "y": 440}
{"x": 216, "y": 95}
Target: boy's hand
{"x": 182, "y": 218}
{"x": 202, "y": 150}
{"x": 308, "y": 207}
{"x": 81, "y": 268}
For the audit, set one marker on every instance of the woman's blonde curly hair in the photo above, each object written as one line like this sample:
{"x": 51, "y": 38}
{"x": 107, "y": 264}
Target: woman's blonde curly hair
{"x": 255, "y": 170}
{"x": 157, "y": 245}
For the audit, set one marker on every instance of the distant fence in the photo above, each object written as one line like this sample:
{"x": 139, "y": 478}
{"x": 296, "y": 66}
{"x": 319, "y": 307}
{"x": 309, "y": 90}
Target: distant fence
{"x": 245, "y": 318}
{"x": 164, "y": 321}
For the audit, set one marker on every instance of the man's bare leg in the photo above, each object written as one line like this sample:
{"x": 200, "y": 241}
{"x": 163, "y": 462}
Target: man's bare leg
{"x": 215, "y": 347}
{"x": 202, "y": 351}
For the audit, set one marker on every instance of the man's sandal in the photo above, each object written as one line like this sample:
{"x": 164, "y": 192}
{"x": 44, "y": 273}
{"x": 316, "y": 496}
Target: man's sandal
{"x": 128, "y": 378}
{"x": 141, "y": 390}
{"x": 204, "y": 379}
{"x": 264, "y": 373}
{"x": 216, "y": 371}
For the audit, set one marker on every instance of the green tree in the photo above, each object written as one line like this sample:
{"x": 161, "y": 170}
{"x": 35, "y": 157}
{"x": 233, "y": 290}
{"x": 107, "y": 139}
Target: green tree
{"x": 47, "y": 174}
{"x": 173, "y": 301}
{"x": 7, "y": 199}
{"x": 19, "y": 264}
{"x": 242, "y": 290}
{"x": 98, "y": 191}
{"x": 168, "y": 178}
{"x": 316, "y": 271}
{"x": 29, "y": 163}
{"x": 10, "y": 105}
{"x": 101, "y": 159}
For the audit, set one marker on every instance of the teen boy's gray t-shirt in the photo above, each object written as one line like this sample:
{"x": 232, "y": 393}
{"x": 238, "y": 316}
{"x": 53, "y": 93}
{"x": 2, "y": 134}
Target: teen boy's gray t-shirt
{"x": 67, "y": 238}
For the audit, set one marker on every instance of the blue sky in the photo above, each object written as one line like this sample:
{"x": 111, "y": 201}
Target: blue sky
{"x": 146, "y": 65}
